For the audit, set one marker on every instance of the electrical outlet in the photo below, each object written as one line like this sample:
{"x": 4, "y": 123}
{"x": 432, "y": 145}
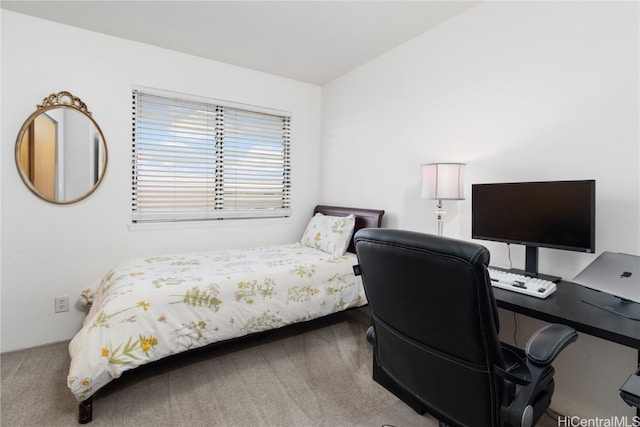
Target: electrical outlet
{"x": 61, "y": 304}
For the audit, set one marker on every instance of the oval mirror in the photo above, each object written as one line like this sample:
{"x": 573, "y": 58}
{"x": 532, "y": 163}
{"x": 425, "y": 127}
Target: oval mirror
{"x": 61, "y": 153}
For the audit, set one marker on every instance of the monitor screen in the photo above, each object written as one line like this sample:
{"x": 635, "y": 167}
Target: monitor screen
{"x": 552, "y": 214}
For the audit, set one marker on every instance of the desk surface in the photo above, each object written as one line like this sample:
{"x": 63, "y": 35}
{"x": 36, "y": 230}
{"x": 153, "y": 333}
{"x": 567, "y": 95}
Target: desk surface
{"x": 565, "y": 306}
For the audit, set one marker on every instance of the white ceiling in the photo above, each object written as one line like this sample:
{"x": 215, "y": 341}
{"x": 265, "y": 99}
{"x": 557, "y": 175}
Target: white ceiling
{"x": 310, "y": 41}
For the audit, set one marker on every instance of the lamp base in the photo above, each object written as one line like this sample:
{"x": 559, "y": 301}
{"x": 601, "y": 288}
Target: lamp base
{"x": 440, "y": 218}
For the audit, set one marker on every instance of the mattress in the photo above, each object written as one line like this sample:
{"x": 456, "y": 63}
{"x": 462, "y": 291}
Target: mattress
{"x": 147, "y": 309}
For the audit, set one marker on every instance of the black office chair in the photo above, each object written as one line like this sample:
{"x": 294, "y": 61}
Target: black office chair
{"x": 435, "y": 333}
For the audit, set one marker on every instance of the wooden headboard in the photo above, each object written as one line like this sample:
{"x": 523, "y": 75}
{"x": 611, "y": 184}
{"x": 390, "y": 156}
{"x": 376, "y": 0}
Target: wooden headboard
{"x": 365, "y": 218}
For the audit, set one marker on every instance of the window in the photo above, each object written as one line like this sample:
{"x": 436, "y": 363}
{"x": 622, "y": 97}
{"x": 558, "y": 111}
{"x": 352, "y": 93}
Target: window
{"x": 199, "y": 160}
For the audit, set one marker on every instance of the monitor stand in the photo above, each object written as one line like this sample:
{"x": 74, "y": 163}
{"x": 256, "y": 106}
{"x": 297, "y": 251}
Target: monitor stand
{"x": 620, "y": 306}
{"x": 531, "y": 266}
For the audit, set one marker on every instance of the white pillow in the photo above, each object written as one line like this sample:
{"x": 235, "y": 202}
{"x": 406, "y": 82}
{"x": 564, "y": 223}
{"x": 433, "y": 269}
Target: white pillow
{"x": 330, "y": 234}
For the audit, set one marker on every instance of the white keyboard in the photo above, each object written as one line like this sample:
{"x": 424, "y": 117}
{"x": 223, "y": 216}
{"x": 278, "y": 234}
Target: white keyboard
{"x": 525, "y": 285}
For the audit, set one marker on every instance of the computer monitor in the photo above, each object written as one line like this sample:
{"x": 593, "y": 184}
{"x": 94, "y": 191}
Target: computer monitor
{"x": 551, "y": 214}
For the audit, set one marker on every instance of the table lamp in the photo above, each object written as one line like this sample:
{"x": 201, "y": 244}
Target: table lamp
{"x": 442, "y": 181}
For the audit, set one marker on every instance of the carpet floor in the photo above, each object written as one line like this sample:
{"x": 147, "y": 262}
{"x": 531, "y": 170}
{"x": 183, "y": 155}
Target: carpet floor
{"x": 315, "y": 374}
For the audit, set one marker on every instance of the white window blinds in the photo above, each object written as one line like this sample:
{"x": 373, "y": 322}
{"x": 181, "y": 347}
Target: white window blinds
{"x": 195, "y": 160}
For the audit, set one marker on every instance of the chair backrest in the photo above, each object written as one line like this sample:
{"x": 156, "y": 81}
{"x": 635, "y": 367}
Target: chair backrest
{"x": 435, "y": 321}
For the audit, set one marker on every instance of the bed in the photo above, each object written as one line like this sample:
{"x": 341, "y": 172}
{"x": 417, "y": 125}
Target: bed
{"x": 148, "y": 309}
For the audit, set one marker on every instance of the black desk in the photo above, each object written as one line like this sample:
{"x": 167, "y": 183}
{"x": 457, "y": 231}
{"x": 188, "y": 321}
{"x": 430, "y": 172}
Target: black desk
{"x": 565, "y": 306}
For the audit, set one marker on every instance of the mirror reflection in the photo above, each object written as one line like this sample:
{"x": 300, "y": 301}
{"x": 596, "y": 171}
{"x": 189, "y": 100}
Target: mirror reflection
{"x": 60, "y": 152}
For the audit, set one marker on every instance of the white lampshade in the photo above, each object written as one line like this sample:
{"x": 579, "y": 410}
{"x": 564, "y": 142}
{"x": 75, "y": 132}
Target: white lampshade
{"x": 442, "y": 181}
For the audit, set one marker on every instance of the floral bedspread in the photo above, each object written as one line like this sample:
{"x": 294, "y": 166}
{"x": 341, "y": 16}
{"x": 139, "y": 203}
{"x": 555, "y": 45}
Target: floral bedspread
{"x": 146, "y": 309}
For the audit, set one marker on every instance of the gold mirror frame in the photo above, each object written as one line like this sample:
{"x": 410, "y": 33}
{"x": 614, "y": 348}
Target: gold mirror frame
{"x": 50, "y": 148}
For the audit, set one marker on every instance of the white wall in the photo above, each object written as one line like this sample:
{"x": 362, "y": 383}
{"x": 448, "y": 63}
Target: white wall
{"x": 50, "y": 250}
{"x": 519, "y": 91}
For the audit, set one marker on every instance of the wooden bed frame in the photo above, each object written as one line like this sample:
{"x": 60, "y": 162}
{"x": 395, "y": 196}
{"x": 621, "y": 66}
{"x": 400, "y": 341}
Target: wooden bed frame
{"x": 365, "y": 218}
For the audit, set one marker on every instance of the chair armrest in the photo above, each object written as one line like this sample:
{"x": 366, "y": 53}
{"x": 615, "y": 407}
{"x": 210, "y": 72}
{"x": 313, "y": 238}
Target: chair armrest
{"x": 515, "y": 369}
{"x": 548, "y": 342}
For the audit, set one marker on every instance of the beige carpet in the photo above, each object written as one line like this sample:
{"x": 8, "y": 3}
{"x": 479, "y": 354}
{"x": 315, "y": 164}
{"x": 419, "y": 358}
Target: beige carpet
{"x": 316, "y": 374}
